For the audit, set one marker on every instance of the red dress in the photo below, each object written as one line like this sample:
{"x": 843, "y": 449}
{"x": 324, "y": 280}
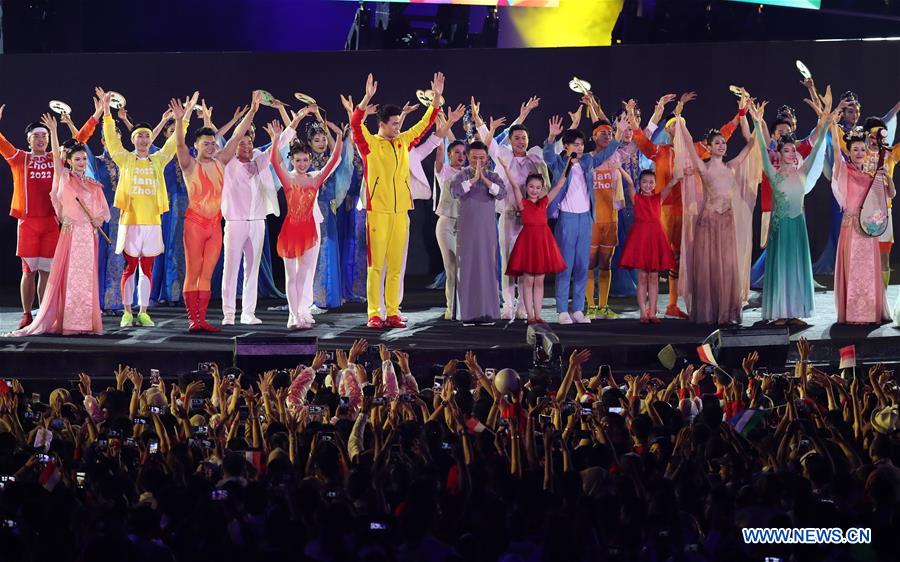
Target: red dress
{"x": 535, "y": 252}
{"x": 647, "y": 247}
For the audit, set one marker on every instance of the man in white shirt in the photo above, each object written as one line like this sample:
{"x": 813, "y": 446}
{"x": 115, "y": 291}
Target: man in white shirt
{"x": 249, "y": 195}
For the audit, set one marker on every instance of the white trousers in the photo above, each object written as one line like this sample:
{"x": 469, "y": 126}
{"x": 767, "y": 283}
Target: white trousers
{"x": 306, "y": 295}
{"x": 510, "y": 227}
{"x": 298, "y": 273}
{"x": 445, "y": 232}
{"x": 243, "y": 239}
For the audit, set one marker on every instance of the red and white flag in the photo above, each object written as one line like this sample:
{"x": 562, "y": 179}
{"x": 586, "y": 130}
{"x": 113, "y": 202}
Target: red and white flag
{"x": 706, "y": 355}
{"x": 50, "y": 476}
{"x": 473, "y": 425}
{"x": 848, "y": 357}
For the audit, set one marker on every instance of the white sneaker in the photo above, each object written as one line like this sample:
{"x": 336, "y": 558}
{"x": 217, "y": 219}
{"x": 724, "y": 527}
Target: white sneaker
{"x": 506, "y": 313}
{"x": 579, "y": 318}
{"x": 251, "y": 319}
{"x": 564, "y": 318}
{"x": 228, "y": 320}
{"x": 316, "y": 310}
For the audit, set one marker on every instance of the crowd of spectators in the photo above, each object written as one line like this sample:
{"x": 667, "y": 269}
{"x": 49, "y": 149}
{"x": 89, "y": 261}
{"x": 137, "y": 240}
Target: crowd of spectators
{"x": 337, "y": 462}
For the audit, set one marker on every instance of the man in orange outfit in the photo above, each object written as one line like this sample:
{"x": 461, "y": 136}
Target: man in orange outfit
{"x": 38, "y": 230}
{"x": 204, "y": 177}
{"x": 663, "y": 155}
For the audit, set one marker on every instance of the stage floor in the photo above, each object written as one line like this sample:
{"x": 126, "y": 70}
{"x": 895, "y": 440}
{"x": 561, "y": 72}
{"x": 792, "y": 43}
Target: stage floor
{"x": 428, "y": 337}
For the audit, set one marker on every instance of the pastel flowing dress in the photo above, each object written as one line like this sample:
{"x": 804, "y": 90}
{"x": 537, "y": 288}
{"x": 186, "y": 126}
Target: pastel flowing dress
{"x": 788, "y": 287}
{"x": 858, "y": 285}
{"x": 71, "y": 303}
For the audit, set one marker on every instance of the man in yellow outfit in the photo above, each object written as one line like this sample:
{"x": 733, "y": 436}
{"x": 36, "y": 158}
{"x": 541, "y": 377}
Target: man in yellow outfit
{"x": 388, "y": 197}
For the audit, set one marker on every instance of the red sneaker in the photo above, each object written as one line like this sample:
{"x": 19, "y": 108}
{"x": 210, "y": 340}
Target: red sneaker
{"x": 673, "y": 311}
{"x": 394, "y": 322}
{"x": 26, "y": 319}
{"x": 375, "y": 322}
{"x": 655, "y": 320}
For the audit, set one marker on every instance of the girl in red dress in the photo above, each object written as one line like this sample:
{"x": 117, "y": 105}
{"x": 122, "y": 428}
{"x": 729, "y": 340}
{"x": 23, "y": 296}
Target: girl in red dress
{"x": 298, "y": 241}
{"x": 647, "y": 248}
{"x": 535, "y": 253}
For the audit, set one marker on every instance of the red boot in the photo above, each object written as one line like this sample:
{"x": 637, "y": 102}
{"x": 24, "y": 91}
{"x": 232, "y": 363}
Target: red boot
{"x": 190, "y": 304}
{"x": 202, "y": 304}
{"x": 26, "y": 319}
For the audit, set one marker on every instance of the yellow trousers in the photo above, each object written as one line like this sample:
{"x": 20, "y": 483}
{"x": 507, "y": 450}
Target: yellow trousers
{"x": 387, "y": 234}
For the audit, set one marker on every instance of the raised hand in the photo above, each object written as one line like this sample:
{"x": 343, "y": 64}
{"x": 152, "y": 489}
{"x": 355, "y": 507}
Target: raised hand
{"x": 347, "y": 102}
{"x": 804, "y": 348}
{"x": 371, "y": 109}
{"x": 528, "y": 106}
{"x": 371, "y": 86}
{"x": 48, "y": 121}
{"x": 450, "y": 367}
{"x": 749, "y": 362}
{"x": 437, "y": 86}
{"x": 239, "y": 111}
{"x": 384, "y": 353}
{"x": 665, "y": 100}
{"x": 2, "y": 107}
{"x": 84, "y": 384}
{"x": 191, "y": 102}
{"x": 358, "y": 347}
{"x": 318, "y": 360}
{"x": 472, "y": 362}
{"x": 475, "y": 107}
{"x": 578, "y": 358}
{"x": 407, "y": 109}
{"x": 176, "y": 108}
{"x": 556, "y": 126}
{"x": 575, "y": 116}
{"x": 402, "y": 361}
{"x": 274, "y": 129}
{"x": 687, "y": 97}
{"x": 496, "y": 123}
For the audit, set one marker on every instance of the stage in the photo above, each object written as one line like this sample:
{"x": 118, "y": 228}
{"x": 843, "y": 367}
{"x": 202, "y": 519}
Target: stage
{"x": 624, "y": 343}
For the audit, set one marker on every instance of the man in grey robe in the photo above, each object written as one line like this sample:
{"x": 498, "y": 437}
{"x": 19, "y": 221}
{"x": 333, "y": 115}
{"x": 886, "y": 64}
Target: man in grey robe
{"x": 477, "y": 189}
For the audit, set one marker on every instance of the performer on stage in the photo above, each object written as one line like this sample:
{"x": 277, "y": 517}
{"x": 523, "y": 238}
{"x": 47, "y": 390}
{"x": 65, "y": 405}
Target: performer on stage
{"x": 522, "y": 162}
{"x": 141, "y": 197}
{"x": 647, "y": 248}
{"x": 575, "y": 208}
{"x": 38, "y": 230}
{"x": 624, "y": 281}
{"x": 849, "y": 117}
{"x": 715, "y": 287}
{"x": 298, "y": 242}
{"x": 858, "y": 287}
{"x": 448, "y": 213}
{"x": 326, "y": 283}
{"x": 204, "y": 178}
{"x": 477, "y": 189}
{"x": 388, "y": 197}
{"x": 788, "y": 287}
{"x": 249, "y": 195}
{"x": 71, "y": 302}
{"x": 672, "y": 209}
{"x": 536, "y": 252}
{"x": 609, "y": 198}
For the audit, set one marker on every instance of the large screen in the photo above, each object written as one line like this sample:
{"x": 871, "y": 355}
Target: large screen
{"x": 518, "y": 3}
{"x": 808, "y": 4}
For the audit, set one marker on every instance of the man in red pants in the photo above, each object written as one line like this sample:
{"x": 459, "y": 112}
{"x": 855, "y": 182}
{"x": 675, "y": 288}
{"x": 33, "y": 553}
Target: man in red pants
{"x": 38, "y": 230}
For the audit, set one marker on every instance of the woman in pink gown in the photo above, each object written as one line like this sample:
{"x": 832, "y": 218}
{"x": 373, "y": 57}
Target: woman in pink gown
{"x": 858, "y": 285}
{"x": 71, "y": 302}
{"x": 715, "y": 288}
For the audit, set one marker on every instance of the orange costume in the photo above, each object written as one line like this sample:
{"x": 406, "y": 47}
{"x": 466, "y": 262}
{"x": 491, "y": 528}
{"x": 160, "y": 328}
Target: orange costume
{"x": 202, "y": 236}
{"x": 663, "y": 156}
{"x": 38, "y": 230}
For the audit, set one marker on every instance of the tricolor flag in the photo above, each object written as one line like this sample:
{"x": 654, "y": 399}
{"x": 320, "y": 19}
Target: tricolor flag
{"x": 747, "y": 420}
{"x": 848, "y": 357}
{"x": 474, "y": 426}
{"x": 50, "y": 476}
{"x": 706, "y": 355}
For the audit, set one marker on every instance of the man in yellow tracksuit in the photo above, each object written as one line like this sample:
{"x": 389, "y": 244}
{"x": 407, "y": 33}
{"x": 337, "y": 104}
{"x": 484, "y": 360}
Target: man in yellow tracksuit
{"x": 388, "y": 197}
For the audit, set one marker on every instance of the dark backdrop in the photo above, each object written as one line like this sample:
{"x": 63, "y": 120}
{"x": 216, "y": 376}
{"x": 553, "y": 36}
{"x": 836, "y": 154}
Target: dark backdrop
{"x": 501, "y": 79}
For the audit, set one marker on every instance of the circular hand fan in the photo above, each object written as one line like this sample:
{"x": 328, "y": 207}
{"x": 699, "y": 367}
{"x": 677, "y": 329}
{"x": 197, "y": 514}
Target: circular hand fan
{"x": 804, "y": 72}
{"x": 303, "y": 98}
{"x": 266, "y": 98}
{"x": 116, "y": 100}
{"x": 60, "y": 107}
{"x": 580, "y": 86}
